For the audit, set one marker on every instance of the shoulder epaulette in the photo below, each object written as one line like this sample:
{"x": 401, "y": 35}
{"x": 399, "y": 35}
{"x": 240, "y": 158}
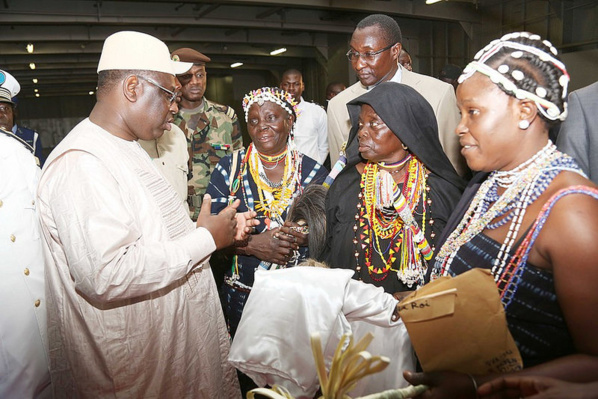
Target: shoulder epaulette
{"x": 225, "y": 109}
{"x": 20, "y": 140}
{"x": 230, "y": 112}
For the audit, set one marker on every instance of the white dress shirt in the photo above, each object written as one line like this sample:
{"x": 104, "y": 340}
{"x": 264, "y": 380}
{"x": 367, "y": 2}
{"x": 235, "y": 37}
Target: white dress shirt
{"x": 310, "y": 131}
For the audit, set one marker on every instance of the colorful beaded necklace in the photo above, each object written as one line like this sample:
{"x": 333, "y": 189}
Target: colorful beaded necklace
{"x": 274, "y": 198}
{"x": 508, "y": 281}
{"x": 273, "y": 160}
{"x": 395, "y": 167}
{"x": 273, "y": 202}
{"x": 377, "y": 219}
{"x": 527, "y": 183}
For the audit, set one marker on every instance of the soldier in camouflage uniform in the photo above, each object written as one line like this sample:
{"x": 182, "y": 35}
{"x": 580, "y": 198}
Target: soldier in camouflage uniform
{"x": 212, "y": 130}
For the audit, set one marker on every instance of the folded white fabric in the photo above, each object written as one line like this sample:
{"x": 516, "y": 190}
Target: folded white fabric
{"x": 272, "y": 342}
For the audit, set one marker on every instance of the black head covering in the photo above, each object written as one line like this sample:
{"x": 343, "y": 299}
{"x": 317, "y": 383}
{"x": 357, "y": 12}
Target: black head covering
{"x": 411, "y": 118}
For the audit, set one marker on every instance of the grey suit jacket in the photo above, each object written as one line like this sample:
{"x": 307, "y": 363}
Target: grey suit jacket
{"x": 578, "y": 136}
{"x": 440, "y": 95}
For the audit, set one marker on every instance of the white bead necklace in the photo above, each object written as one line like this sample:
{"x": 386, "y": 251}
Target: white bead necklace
{"x": 505, "y": 178}
{"x": 521, "y": 190}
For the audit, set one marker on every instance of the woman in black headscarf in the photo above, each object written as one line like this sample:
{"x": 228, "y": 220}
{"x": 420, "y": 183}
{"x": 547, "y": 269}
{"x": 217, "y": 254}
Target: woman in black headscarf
{"x": 394, "y": 196}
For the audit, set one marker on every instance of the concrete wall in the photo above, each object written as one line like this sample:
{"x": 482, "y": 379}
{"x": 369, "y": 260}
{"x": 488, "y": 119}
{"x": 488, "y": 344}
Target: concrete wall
{"x": 582, "y": 67}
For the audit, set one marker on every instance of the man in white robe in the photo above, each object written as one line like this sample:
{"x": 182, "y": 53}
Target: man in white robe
{"x": 133, "y": 311}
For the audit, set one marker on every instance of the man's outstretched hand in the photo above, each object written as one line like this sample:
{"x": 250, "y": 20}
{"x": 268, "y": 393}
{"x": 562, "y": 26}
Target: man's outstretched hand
{"x": 223, "y": 226}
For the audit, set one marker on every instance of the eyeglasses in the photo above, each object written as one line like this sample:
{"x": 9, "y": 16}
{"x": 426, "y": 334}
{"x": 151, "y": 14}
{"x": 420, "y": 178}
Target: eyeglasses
{"x": 172, "y": 94}
{"x": 368, "y": 56}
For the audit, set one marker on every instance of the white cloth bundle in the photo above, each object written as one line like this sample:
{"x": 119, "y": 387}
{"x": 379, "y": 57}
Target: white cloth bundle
{"x": 272, "y": 342}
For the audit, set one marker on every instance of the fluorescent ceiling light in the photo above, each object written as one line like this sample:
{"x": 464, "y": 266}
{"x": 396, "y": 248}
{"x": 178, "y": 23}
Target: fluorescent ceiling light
{"x": 278, "y": 51}
{"x": 32, "y": 65}
{"x": 236, "y": 64}
{"x": 34, "y": 80}
{"x": 432, "y": 1}
{"x": 30, "y": 48}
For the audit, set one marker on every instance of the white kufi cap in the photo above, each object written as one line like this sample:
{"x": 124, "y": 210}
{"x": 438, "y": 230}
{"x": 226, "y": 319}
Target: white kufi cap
{"x": 135, "y": 50}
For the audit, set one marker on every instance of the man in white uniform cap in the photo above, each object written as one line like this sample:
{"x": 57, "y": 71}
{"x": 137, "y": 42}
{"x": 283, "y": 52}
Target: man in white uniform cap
{"x": 23, "y": 339}
{"x": 133, "y": 311}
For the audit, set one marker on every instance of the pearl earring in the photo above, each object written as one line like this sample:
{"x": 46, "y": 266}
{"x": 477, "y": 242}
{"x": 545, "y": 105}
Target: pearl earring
{"x": 523, "y": 124}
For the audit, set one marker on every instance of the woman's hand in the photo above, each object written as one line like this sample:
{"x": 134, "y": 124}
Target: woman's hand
{"x": 399, "y": 296}
{"x": 291, "y": 232}
{"x": 267, "y": 247}
{"x": 443, "y": 384}
{"x": 246, "y": 221}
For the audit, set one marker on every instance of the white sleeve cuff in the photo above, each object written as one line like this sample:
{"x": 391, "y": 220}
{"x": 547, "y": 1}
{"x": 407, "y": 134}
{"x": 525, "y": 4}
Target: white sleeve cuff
{"x": 199, "y": 244}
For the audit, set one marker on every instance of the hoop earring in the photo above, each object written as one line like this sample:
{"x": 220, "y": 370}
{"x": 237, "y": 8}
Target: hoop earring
{"x": 404, "y": 147}
{"x": 523, "y": 124}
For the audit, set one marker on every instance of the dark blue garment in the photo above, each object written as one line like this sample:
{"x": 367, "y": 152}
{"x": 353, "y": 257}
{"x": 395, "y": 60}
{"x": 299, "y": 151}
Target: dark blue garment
{"x": 33, "y": 139}
{"x": 234, "y": 299}
{"x": 534, "y": 315}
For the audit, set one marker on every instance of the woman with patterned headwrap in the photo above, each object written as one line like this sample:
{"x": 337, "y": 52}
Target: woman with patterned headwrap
{"x": 394, "y": 196}
{"x": 530, "y": 217}
{"x": 266, "y": 178}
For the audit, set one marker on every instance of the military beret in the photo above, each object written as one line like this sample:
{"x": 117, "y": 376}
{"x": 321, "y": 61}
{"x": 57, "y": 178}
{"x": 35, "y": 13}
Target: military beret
{"x": 186, "y": 54}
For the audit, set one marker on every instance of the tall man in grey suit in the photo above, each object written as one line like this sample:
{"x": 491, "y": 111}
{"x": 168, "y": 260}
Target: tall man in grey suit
{"x": 375, "y": 47}
{"x": 578, "y": 136}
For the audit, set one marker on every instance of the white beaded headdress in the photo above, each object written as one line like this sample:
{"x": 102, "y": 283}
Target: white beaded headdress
{"x": 507, "y": 77}
{"x": 272, "y": 94}
{"x": 277, "y": 96}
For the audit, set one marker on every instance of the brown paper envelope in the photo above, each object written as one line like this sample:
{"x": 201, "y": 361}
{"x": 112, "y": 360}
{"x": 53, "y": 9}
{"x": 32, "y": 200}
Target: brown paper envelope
{"x": 459, "y": 324}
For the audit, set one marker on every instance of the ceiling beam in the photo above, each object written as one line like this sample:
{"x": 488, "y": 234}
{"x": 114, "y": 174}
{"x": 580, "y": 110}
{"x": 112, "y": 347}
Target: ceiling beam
{"x": 230, "y": 13}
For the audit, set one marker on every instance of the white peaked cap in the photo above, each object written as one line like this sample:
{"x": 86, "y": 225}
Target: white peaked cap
{"x": 9, "y": 87}
{"x": 135, "y": 50}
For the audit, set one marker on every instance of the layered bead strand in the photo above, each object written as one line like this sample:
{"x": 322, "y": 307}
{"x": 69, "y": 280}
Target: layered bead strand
{"x": 275, "y": 197}
{"x": 377, "y": 219}
{"x": 488, "y": 210}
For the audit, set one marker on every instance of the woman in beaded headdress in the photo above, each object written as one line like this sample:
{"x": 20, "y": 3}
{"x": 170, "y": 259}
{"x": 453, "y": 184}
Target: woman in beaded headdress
{"x": 398, "y": 189}
{"x": 531, "y": 217}
{"x": 266, "y": 178}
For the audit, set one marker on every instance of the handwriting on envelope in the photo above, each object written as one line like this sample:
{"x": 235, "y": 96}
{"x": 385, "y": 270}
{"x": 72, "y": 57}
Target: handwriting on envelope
{"x": 429, "y": 306}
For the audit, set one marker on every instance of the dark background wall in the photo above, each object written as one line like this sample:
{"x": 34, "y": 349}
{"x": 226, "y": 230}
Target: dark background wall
{"x": 68, "y": 36}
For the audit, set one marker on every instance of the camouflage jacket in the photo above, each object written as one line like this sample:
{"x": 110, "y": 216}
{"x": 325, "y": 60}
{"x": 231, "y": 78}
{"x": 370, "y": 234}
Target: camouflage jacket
{"x": 212, "y": 131}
